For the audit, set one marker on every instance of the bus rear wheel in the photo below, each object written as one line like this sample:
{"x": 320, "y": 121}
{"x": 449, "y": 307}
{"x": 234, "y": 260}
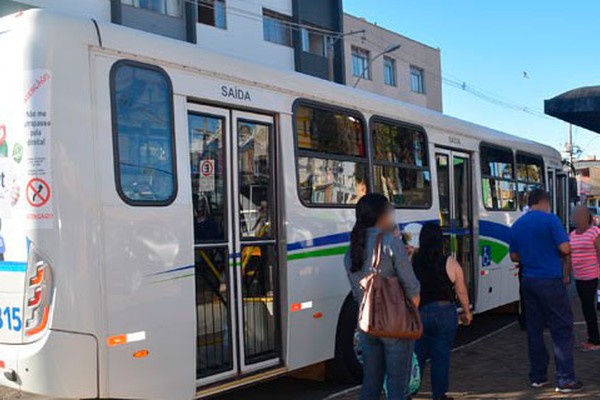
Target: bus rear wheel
{"x": 346, "y": 367}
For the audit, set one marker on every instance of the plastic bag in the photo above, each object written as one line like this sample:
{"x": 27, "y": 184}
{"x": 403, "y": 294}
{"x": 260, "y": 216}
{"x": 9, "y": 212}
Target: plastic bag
{"x": 415, "y": 376}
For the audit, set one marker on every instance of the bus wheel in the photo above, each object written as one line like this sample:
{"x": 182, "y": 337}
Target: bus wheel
{"x": 346, "y": 366}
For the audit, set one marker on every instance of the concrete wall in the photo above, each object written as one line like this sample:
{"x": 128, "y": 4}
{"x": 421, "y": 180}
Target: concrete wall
{"x": 98, "y": 9}
{"x": 243, "y": 37}
{"x": 411, "y": 53}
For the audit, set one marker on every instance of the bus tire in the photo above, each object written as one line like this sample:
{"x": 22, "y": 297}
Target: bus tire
{"x": 346, "y": 367}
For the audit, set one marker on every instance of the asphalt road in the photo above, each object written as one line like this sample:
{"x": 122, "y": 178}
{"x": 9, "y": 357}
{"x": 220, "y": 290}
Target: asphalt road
{"x": 289, "y": 388}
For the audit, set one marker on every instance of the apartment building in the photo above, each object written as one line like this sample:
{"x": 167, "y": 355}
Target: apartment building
{"x": 410, "y": 72}
{"x": 284, "y": 34}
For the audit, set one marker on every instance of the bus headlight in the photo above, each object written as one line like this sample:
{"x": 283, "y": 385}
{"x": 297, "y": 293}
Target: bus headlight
{"x": 38, "y": 295}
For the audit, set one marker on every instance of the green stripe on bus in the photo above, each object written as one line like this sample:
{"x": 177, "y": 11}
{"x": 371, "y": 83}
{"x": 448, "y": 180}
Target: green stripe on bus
{"x": 333, "y": 251}
{"x": 498, "y": 250}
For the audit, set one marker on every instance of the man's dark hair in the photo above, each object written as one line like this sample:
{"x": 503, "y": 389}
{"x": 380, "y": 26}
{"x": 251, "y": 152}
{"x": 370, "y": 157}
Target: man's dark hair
{"x": 536, "y": 196}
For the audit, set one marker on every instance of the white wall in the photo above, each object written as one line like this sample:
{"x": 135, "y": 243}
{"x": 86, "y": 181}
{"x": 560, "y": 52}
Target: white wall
{"x": 98, "y": 9}
{"x": 243, "y": 37}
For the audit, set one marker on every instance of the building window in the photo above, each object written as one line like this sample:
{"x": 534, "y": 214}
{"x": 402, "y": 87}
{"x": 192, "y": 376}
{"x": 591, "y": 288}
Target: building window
{"x": 530, "y": 175}
{"x": 315, "y": 42}
{"x": 331, "y": 156}
{"x": 401, "y": 165}
{"x": 417, "y": 83}
{"x": 389, "y": 71}
{"x": 143, "y": 134}
{"x": 498, "y": 178}
{"x": 168, "y": 7}
{"x": 277, "y": 28}
{"x": 360, "y": 62}
{"x": 212, "y": 12}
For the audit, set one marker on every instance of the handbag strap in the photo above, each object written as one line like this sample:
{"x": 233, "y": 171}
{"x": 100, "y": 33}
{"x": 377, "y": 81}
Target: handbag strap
{"x": 377, "y": 250}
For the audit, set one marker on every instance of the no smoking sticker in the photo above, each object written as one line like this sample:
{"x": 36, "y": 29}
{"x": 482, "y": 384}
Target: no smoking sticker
{"x": 38, "y": 192}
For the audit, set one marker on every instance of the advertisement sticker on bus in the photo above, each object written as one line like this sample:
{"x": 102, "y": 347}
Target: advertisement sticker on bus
{"x": 36, "y": 155}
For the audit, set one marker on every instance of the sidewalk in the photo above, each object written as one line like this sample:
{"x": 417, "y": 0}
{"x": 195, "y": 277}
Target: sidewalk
{"x": 496, "y": 367}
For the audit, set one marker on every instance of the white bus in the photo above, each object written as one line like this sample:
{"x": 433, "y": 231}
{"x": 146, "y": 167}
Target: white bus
{"x": 173, "y": 220}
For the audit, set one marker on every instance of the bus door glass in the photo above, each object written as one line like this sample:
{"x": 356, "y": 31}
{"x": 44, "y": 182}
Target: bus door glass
{"x": 562, "y": 198}
{"x": 235, "y": 250}
{"x": 456, "y": 208}
{"x": 551, "y": 189}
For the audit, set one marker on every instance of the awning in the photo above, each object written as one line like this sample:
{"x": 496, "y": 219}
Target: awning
{"x": 579, "y": 107}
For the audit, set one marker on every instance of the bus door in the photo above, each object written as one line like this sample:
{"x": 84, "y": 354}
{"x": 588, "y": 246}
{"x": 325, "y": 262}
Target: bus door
{"x": 454, "y": 174}
{"x": 236, "y": 264}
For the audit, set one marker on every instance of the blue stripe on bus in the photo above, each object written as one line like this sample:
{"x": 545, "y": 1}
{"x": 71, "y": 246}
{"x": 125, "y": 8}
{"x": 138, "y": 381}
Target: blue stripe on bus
{"x": 13, "y": 266}
{"x": 494, "y": 230}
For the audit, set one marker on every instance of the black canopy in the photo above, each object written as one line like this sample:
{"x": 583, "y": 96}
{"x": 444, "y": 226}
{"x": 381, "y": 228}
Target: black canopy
{"x": 579, "y": 107}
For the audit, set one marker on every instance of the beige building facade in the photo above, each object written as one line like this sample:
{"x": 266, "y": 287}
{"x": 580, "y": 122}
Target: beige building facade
{"x": 412, "y": 73}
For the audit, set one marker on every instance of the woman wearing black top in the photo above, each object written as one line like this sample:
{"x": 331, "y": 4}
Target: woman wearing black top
{"x": 442, "y": 281}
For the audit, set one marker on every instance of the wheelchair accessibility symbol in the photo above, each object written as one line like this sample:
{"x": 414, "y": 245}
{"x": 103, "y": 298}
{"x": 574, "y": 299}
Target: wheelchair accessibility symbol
{"x": 486, "y": 256}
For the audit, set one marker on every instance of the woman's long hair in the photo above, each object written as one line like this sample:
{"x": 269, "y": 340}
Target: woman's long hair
{"x": 431, "y": 247}
{"x": 368, "y": 211}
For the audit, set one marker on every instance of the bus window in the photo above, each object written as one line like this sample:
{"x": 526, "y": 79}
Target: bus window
{"x": 143, "y": 134}
{"x": 332, "y": 162}
{"x": 401, "y": 165}
{"x": 498, "y": 178}
{"x": 530, "y": 175}
{"x": 208, "y": 195}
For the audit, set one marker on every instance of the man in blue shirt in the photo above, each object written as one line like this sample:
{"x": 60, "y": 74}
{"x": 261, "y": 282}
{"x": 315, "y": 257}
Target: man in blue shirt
{"x": 539, "y": 242}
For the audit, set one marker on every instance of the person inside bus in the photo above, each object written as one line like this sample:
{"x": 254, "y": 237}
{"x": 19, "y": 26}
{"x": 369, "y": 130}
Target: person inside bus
{"x": 539, "y": 242}
{"x": 585, "y": 247}
{"x": 442, "y": 281}
{"x": 382, "y": 358}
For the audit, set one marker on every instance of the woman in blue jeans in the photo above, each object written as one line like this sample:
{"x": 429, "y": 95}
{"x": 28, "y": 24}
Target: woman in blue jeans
{"x": 381, "y": 357}
{"x": 442, "y": 281}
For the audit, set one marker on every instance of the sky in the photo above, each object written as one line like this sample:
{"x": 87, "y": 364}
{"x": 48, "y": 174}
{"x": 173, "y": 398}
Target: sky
{"x": 489, "y": 44}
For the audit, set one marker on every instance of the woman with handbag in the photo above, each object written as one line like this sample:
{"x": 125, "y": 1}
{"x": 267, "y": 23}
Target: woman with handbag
{"x": 442, "y": 281}
{"x": 381, "y": 278}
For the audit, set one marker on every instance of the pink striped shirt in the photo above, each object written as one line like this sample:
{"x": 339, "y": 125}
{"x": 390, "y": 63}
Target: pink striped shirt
{"x": 584, "y": 257}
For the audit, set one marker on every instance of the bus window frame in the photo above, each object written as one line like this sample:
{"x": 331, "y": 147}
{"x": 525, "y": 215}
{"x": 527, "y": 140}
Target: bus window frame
{"x": 542, "y": 171}
{"x": 489, "y": 145}
{"x": 298, "y": 152}
{"x": 115, "y": 133}
{"x": 373, "y": 162}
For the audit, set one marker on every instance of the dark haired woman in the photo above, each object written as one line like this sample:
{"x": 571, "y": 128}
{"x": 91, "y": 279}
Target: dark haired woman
{"x": 442, "y": 281}
{"x": 382, "y": 357}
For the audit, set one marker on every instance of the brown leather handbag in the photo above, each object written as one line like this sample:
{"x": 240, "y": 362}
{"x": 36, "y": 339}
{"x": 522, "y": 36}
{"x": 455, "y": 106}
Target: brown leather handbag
{"x": 385, "y": 310}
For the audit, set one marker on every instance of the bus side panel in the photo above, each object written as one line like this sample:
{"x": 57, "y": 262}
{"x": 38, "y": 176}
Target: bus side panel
{"x": 149, "y": 284}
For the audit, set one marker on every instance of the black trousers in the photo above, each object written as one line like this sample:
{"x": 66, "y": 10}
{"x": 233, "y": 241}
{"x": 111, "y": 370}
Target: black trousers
{"x": 587, "y": 294}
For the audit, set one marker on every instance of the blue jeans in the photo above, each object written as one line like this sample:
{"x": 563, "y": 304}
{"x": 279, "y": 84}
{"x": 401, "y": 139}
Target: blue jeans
{"x": 547, "y": 305}
{"x": 386, "y": 360}
{"x": 440, "y": 324}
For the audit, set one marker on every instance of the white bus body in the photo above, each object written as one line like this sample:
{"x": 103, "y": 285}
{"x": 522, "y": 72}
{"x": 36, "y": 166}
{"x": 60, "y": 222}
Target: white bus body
{"x": 106, "y": 290}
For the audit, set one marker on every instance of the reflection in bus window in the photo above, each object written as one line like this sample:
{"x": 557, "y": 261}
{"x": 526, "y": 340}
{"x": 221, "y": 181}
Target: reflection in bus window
{"x": 530, "y": 175}
{"x": 207, "y": 158}
{"x": 142, "y": 113}
{"x": 332, "y": 162}
{"x": 498, "y": 183}
{"x": 401, "y": 165}
{"x": 254, "y": 153}
{"x": 331, "y": 181}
